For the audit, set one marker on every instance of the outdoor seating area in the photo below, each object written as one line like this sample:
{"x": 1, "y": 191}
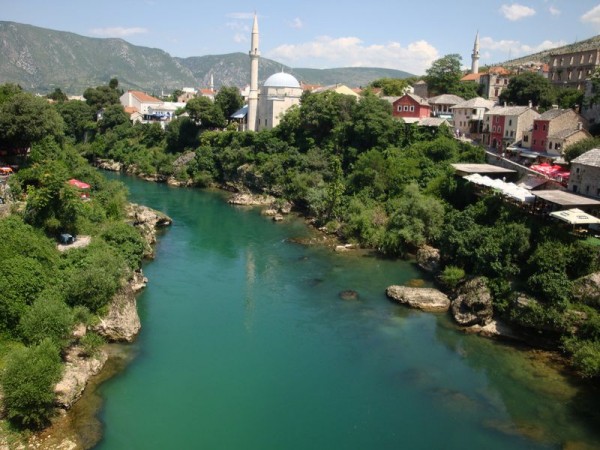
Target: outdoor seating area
{"x": 509, "y": 190}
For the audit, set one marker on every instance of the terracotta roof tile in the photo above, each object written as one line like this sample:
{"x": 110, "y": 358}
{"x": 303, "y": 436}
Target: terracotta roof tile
{"x": 143, "y": 97}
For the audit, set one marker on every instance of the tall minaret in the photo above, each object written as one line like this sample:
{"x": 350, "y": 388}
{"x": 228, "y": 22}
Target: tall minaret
{"x": 212, "y": 83}
{"x": 475, "y": 55}
{"x": 253, "y": 95}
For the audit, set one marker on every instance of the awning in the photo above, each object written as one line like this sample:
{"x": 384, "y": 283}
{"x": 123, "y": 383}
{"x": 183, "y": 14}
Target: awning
{"x": 78, "y": 184}
{"x": 240, "y": 113}
{"x": 575, "y": 216}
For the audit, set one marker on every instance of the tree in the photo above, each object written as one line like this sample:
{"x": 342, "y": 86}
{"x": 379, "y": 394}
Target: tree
{"x": 101, "y": 97}
{"x": 78, "y": 117}
{"x": 28, "y": 381}
{"x": 391, "y": 86}
{"x": 48, "y": 317}
{"x": 444, "y": 74}
{"x": 26, "y": 119}
{"x": 579, "y": 148}
{"x": 229, "y": 100}
{"x": 7, "y": 90}
{"x": 112, "y": 117}
{"x": 205, "y": 113}
{"x": 529, "y": 87}
{"x": 58, "y": 95}
{"x": 113, "y": 83}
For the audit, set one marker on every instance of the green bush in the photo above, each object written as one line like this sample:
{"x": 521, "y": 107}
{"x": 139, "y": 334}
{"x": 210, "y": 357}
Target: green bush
{"x": 28, "y": 384}
{"x": 451, "y": 276}
{"x": 585, "y": 356}
{"x": 126, "y": 240}
{"x": 91, "y": 343}
{"x": 47, "y": 318}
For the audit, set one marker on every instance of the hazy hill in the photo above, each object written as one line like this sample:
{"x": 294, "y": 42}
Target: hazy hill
{"x": 41, "y": 60}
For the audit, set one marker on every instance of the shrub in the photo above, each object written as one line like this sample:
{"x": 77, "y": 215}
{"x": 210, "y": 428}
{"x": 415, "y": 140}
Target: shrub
{"x": 46, "y": 318}
{"x": 28, "y": 384}
{"x": 585, "y": 356}
{"x": 451, "y": 276}
{"x": 91, "y": 343}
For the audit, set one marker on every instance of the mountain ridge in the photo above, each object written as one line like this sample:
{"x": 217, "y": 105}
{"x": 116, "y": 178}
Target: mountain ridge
{"x": 42, "y": 59}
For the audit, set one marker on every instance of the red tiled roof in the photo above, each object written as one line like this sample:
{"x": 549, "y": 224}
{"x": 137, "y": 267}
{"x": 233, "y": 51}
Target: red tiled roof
{"x": 130, "y": 109}
{"x": 471, "y": 77}
{"x": 207, "y": 92}
{"x": 143, "y": 97}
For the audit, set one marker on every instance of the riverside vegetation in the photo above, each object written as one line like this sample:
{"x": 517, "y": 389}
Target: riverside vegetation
{"x": 46, "y": 294}
{"x": 346, "y": 163}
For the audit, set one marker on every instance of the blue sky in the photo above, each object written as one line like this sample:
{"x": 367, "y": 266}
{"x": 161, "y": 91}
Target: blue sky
{"x": 377, "y": 33}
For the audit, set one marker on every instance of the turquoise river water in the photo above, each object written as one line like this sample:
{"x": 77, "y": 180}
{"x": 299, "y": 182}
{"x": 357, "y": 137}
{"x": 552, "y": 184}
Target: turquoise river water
{"x": 246, "y": 344}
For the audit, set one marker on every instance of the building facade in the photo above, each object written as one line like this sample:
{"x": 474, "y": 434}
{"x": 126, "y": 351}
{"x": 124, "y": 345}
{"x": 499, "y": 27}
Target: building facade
{"x": 469, "y": 116}
{"x": 505, "y": 125}
{"x": 553, "y": 131}
{"x": 574, "y": 68}
{"x": 279, "y": 93}
{"x": 411, "y": 107}
{"x": 585, "y": 174}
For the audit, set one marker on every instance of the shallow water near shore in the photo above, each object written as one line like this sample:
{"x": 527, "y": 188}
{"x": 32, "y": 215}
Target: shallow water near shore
{"x": 246, "y": 344}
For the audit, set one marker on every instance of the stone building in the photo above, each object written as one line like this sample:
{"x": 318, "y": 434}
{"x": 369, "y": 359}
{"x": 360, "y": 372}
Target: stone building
{"x": 574, "y": 68}
{"x": 505, "y": 125}
{"x": 469, "y": 116}
{"x": 585, "y": 174}
{"x": 554, "y": 131}
{"x": 279, "y": 93}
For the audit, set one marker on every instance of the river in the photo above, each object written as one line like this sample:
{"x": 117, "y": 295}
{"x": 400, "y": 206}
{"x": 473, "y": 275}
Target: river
{"x": 246, "y": 344}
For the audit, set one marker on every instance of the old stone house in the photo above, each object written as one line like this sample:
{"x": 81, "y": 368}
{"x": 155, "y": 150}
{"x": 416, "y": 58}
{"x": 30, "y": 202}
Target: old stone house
{"x": 585, "y": 174}
{"x": 505, "y": 125}
{"x": 554, "y": 131}
{"x": 574, "y": 68}
{"x": 469, "y": 116}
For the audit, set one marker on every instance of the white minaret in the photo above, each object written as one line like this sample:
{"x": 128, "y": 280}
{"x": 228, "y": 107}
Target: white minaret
{"x": 253, "y": 95}
{"x": 475, "y": 55}
{"x": 212, "y": 83}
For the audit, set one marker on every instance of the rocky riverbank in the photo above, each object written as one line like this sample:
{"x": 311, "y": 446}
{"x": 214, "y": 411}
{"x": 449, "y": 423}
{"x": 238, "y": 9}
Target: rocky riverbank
{"x": 120, "y": 324}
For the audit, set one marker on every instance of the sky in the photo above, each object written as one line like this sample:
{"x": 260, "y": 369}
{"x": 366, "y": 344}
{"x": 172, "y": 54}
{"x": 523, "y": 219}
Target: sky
{"x": 396, "y": 34}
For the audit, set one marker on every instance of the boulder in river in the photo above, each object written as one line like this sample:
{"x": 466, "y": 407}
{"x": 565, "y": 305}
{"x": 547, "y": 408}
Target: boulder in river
{"x": 426, "y": 299}
{"x": 348, "y": 295}
{"x": 428, "y": 258}
{"x": 473, "y": 304}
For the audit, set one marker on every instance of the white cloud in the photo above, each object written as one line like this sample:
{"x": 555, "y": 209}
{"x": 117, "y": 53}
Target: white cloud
{"x": 592, "y": 16}
{"x": 296, "y": 23}
{"x": 501, "y": 49}
{"x": 326, "y": 51}
{"x": 516, "y": 11}
{"x": 240, "y": 15}
{"x": 554, "y": 11}
{"x": 240, "y": 38}
{"x": 118, "y": 31}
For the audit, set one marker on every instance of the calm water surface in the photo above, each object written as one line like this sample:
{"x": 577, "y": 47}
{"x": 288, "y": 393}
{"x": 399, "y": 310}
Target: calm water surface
{"x": 245, "y": 344}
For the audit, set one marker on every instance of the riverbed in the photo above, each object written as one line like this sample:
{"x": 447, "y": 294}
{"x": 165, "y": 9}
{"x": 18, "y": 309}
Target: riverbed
{"x": 246, "y": 344}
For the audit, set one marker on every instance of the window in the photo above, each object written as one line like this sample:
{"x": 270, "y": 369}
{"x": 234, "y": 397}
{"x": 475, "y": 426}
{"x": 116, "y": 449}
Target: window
{"x": 405, "y": 107}
{"x": 412, "y": 108}
{"x": 571, "y": 61}
{"x": 399, "y": 108}
{"x": 534, "y": 142}
{"x": 510, "y": 123}
{"x": 535, "y": 126}
{"x": 581, "y": 60}
{"x": 474, "y": 111}
{"x": 526, "y": 138}
{"x": 543, "y": 142}
{"x": 544, "y": 127}
{"x": 577, "y": 170}
{"x": 591, "y": 57}
{"x": 587, "y": 189}
{"x": 574, "y": 188}
{"x": 556, "y": 146}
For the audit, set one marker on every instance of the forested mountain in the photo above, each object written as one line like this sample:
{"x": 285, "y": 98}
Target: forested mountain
{"x": 41, "y": 60}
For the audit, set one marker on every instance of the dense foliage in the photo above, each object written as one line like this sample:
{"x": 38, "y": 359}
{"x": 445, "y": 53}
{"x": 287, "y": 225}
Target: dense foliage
{"x": 45, "y": 293}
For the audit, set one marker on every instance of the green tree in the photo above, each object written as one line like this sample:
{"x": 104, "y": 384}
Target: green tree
{"x": 28, "y": 381}
{"x": 48, "y": 317}
{"x": 444, "y": 74}
{"x": 229, "y": 100}
{"x": 391, "y": 87}
{"x": 579, "y": 148}
{"x": 26, "y": 119}
{"x": 112, "y": 117}
{"x": 529, "y": 87}
{"x": 58, "y": 96}
{"x": 79, "y": 119}
{"x": 7, "y": 90}
{"x": 569, "y": 98}
{"x": 205, "y": 113}
{"x": 101, "y": 97}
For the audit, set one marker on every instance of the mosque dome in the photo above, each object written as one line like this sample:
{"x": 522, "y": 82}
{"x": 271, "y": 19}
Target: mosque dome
{"x": 282, "y": 79}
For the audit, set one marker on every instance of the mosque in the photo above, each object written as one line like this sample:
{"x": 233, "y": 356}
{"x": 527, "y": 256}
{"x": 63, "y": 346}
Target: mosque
{"x": 279, "y": 92}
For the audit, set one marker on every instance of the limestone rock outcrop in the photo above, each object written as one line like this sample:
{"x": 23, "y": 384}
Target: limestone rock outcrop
{"x": 426, "y": 299}
{"x": 78, "y": 370}
{"x": 428, "y": 258}
{"x": 148, "y": 221}
{"x": 248, "y": 199}
{"x": 109, "y": 164}
{"x": 473, "y": 304}
{"x": 122, "y": 322}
